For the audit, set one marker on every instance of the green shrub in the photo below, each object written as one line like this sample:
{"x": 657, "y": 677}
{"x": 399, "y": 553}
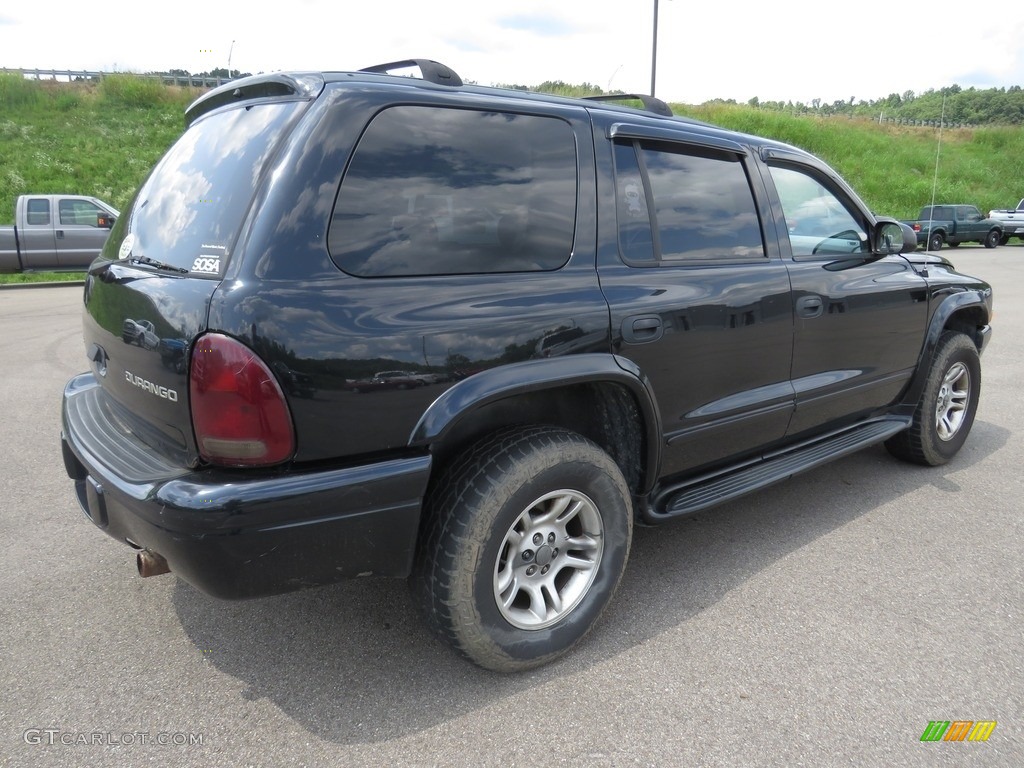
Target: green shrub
{"x": 133, "y": 90}
{"x": 16, "y": 91}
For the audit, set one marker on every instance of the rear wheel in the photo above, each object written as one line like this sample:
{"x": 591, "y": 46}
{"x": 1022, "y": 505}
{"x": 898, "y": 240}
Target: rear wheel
{"x": 1004, "y": 239}
{"x": 935, "y": 241}
{"x": 945, "y": 413}
{"x": 525, "y": 539}
{"x": 993, "y": 238}
{"x": 953, "y": 245}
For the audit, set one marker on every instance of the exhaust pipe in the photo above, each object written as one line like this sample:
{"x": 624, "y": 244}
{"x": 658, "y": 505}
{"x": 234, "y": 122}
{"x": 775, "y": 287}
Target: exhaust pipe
{"x": 151, "y": 563}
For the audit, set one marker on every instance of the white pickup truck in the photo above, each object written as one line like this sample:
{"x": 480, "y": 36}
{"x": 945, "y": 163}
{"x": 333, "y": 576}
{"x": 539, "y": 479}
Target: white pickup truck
{"x": 1012, "y": 220}
{"x": 55, "y": 233}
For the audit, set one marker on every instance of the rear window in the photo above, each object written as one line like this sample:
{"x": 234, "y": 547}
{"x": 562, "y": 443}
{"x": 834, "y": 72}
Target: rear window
{"x": 189, "y": 210}
{"x": 433, "y": 191}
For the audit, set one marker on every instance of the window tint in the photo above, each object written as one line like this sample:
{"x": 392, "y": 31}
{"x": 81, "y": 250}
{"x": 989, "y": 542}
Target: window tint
{"x": 818, "y": 222}
{"x": 433, "y": 191}
{"x": 78, "y": 212}
{"x": 38, "y": 212}
{"x": 193, "y": 203}
{"x": 703, "y": 206}
{"x": 635, "y": 241}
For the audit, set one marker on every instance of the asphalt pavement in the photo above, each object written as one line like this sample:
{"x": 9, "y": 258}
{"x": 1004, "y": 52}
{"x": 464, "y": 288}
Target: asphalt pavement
{"x": 823, "y": 622}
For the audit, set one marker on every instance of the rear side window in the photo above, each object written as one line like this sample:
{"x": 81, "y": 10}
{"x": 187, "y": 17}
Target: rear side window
{"x": 38, "y": 212}
{"x": 679, "y": 203}
{"x": 434, "y": 191}
{"x": 191, "y": 207}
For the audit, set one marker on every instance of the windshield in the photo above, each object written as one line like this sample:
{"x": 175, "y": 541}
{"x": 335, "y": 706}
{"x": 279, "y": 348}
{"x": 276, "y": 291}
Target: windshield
{"x": 189, "y": 210}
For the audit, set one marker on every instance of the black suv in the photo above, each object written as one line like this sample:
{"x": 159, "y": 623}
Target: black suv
{"x": 612, "y": 316}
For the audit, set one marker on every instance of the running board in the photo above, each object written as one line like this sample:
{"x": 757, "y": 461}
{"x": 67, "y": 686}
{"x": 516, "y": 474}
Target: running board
{"x": 729, "y": 484}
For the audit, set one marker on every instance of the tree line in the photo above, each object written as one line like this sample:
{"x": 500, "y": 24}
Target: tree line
{"x": 953, "y": 104}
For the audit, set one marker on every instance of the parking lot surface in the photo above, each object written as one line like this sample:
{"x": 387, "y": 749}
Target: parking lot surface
{"x": 823, "y": 622}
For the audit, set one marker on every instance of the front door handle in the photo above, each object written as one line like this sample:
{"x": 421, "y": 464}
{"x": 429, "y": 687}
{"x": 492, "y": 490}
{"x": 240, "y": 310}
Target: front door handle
{"x": 642, "y": 329}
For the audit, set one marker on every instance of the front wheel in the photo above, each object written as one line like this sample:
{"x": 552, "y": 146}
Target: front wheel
{"x": 935, "y": 241}
{"x": 945, "y": 412}
{"x": 524, "y": 541}
{"x": 993, "y": 238}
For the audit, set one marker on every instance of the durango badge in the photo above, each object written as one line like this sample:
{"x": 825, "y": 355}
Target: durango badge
{"x": 149, "y": 386}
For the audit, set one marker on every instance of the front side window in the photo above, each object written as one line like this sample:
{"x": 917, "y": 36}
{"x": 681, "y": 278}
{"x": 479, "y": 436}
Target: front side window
{"x": 818, "y": 222}
{"x": 81, "y": 212}
{"x": 434, "y": 191}
{"x": 680, "y": 204}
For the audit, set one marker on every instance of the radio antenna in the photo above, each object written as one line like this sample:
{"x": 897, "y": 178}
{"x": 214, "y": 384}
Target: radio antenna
{"x": 935, "y": 178}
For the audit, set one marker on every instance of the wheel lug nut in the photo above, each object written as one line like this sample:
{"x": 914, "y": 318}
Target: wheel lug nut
{"x": 538, "y": 539}
{"x": 551, "y": 538}
{"x": 554, "y": 552}
{"x": 528, "y": 554}
{"x": 531, "y": 570}
{"x": 545, "y": 569}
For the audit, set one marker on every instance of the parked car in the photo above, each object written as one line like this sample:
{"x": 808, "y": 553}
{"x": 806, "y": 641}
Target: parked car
{"x": 140, "y": 332}
{"x": 955, "y": 224}
{"x": 55, "y": 233}
{"x": 1012, "y": 221}
{"x": 389, "y": 380}
{"x": 640, "y": 319}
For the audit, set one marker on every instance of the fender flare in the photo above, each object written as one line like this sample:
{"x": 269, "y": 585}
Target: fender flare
{"x": 967, "y": 299}
{"x": 531, "y": 376}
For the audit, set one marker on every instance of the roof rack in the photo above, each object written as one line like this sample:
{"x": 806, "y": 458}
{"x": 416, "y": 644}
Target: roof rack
{"x": 651, "y": 104}
{"x": 431, "y": 71}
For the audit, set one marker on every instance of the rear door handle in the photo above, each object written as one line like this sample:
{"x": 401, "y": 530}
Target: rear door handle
{"x": 809, "y": 306}
{"x": 642, "y": 329}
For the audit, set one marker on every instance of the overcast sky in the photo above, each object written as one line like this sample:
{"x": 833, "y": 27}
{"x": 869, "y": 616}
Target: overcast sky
{"x": 783, "y": 50}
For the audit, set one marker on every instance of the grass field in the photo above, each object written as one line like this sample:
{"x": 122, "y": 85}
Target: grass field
{"x": 102, "y": 139}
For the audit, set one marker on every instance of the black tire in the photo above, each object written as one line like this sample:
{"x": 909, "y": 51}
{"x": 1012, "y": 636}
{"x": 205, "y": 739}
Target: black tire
{"x": 993, "y": 238}
{"x": 953, "y": 245}
{"x": 1004, "y": 239}
{"x": 503, "y": 585}
{"x": 945, "y": 413}
{"x": 935, "y": 241}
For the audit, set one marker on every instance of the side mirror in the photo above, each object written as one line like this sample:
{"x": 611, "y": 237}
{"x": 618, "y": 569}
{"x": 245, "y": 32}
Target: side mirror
{"x": 105, "y": 221}
{"x": 891, "y": 236}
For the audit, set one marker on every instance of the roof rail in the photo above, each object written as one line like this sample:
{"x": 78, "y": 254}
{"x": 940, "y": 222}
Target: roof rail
{"x": 431, "y": 71}
{"x": 651, "y": 104}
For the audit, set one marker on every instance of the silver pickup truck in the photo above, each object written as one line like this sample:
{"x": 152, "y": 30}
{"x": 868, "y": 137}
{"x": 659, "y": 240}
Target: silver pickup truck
{"x": 1012, "y": 221}
{"x": 55, "y": 233}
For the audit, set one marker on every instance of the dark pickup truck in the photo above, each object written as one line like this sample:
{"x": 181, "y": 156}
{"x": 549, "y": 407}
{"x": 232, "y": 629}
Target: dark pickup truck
{"x": 955, "y": 224}
{"x": 55, "y": 233}
{"x": 614, "y": 317}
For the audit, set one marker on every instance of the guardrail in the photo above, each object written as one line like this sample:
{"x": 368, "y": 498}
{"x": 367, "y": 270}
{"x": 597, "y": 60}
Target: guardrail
{"x": 71, "y": 75}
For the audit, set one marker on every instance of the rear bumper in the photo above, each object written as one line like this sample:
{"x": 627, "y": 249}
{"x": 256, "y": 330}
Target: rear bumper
{"x": 236, "y": 534}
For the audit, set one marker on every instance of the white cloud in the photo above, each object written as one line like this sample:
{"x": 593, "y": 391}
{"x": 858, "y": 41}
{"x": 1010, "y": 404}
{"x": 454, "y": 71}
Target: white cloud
{"x": 785, "y": 51}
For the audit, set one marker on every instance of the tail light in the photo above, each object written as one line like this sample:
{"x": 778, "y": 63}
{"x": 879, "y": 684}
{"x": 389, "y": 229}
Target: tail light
{"x": 239, "y": 412}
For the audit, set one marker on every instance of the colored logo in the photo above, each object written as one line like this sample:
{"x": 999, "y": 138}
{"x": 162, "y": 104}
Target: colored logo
{"x": 958, "y": 730}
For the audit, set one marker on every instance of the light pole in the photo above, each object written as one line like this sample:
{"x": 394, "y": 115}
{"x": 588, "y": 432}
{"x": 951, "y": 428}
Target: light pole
{"x": 654, "y": 48}
{"x": 230, "y": 51}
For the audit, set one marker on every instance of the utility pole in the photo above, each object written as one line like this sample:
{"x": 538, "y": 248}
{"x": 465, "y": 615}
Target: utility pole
{"x": 654, "y": 48}
{"x": 230, "y": 51}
